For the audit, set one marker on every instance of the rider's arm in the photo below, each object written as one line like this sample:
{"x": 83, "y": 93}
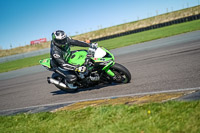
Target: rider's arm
{"x": 58, "y": 57}
{"x": 78, "y": 43}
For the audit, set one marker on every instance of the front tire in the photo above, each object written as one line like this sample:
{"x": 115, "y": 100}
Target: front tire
{"x": 122, "y": 73}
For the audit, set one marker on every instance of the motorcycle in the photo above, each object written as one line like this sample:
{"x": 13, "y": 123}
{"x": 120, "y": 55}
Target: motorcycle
{"x": 100, "y": 69}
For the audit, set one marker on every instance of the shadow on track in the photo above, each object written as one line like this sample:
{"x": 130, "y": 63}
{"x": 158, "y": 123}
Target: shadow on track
{"x": 60, "y": 92}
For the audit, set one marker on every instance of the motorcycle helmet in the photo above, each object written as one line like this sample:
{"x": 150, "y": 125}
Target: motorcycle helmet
{"x": 59, "y": 38}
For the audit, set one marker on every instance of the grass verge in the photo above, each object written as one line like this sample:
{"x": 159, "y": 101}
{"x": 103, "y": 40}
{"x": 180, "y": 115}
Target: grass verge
{"x": 151, "y": 35}
{"x": 114, "y": 43}
{"x": 171, "y": 116}
{"x": 21, "y": 63}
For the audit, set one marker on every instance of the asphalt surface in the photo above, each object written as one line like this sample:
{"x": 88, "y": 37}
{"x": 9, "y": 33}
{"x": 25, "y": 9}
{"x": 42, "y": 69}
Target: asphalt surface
{"x": 162, "y": 65}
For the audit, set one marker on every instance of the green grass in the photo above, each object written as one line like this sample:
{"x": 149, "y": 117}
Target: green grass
{"x": 114, "y": 43}
{"x": 21, "y": 63}
{"x": 151, "y": 35}
{"x": 169, "y": 117}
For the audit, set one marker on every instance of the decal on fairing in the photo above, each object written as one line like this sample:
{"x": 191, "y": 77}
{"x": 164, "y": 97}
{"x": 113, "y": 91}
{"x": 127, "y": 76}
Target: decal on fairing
{"x": 56, "y": 55}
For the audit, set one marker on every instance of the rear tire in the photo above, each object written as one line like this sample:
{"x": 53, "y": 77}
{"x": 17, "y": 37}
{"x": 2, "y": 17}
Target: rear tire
{"x": 122, "y": 73}
{"x": 61, "y": 79}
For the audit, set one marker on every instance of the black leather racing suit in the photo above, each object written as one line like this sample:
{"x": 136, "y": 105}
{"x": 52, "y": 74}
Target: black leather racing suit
{"x": 59, "y": 55}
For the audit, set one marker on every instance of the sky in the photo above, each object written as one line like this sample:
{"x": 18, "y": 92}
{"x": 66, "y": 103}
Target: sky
{"x": 22, "y": 21}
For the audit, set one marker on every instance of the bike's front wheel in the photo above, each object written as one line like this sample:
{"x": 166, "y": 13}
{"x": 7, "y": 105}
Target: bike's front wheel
{"x": 122, "y": 74}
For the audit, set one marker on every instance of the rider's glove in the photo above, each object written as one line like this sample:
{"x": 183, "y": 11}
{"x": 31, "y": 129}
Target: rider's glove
{"x": 81, "y": 69}
{"x": 94, "y": 45}
{"x": 92, "y": 49}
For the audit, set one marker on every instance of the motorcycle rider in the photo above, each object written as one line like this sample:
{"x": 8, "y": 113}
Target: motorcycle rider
{"x": 60, "y": 52}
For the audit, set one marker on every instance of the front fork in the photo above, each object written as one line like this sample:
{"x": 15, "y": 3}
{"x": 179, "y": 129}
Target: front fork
{"x": 107, "y": 69}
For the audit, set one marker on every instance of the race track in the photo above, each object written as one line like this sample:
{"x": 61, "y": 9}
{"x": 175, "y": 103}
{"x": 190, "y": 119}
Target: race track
{"x": 165, "y": 64}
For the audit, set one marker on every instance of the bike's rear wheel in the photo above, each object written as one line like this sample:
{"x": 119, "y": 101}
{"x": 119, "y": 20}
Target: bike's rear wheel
{"x": 122, "y": 73}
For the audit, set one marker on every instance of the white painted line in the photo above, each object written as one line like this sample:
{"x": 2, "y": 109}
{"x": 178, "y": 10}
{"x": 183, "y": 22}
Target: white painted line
{"x": 136, "y": 94}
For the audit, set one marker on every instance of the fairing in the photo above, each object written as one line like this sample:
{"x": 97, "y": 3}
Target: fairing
{"x": 45, "y": 62}
{"x": 78, "y": 58}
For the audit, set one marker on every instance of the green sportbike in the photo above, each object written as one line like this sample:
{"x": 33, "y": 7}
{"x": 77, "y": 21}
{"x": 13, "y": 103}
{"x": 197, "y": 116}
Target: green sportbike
{"x": 100, "y": 69}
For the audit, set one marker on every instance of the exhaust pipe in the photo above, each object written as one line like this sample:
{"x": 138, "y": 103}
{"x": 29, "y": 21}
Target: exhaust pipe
{"x": 56, "y": 82}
